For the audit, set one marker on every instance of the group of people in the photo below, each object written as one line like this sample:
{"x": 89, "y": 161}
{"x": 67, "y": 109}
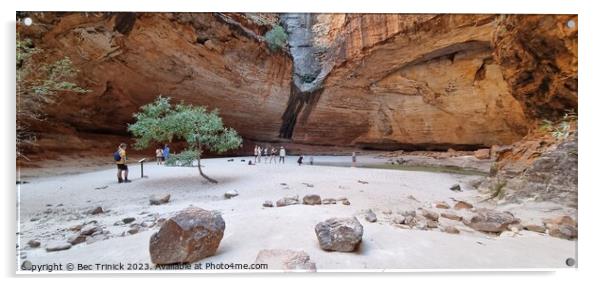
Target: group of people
{"x": 162, "y": 154}
{"x": 268, "y": 153}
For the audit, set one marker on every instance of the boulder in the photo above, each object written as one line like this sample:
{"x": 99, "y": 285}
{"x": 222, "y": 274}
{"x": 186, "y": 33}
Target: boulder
{"x": 451, "y": 229}
{"x": 460, "y": 205}
{"x": 370, "y": 216}
{"x": 329, "y": 201}
{"x": 312, "y": 200}
{"x": 285, "y": 259}
{"x": 190, "y": 235}
{"x": 564, "y": 231}
{"x": 536, "y": 228}
{"x": 441, "y": 205}
{"x": 90, "y": 229}
{"x": 58, "y": 246}
{"x": 345, "y": 202}
{"x": 482, "y": 154}
{"x": 34, "y": 243}
{"x": 399, "y": 219}
{"x": 339, "y": 234}
{"x": 561, "y": 220}
{"x": 487, "y": 220}
{"x": 431, "y": 224}
{"x": 159, "y": 199}
{"x": 287, "y": 201}
{"x": 230, "y": 194}
{"x": 268, "y": 204}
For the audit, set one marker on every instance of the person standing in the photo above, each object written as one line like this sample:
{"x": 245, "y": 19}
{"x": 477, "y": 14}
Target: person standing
{"x": 300, "y": 160}
{"x": 159, "y": 155}
{"x": 259, "y": 154}
{"x": 166, "y": 152}
{"x": 353, "y": 159}
{"x": 273, "y": 155}
{"x": 282, "y": 154}
{"x": 255, "y": 153}
{"x": 120, "y": 157}
{"x": 266, "y": 153}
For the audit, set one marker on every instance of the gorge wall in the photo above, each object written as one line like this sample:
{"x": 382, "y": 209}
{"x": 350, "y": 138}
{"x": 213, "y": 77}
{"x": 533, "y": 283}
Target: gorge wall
{"x": 380, "y": 81}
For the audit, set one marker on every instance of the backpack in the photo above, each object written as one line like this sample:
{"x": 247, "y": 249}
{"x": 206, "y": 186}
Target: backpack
{"x": 116, "y": 156}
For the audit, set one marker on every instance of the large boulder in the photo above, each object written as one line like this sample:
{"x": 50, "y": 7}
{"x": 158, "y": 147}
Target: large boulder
{"x": 190, "y": 235}
{"x": 339, "y": 234}
{"x": 487, "y": 220}
{"x": 285, "y": 259}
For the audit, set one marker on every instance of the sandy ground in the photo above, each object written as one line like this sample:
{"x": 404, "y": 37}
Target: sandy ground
{"x": 59, "y": 202}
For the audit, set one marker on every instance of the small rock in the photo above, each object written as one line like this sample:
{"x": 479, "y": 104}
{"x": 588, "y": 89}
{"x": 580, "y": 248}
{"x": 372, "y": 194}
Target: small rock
{"x": 399, "y": 219}
{"x": 432, "y": 224}
{"x": 308, "y": 185}
{"x": 430, "y": 215}
{"x": 33, "y": 243}
{"x": 482, "y": 154}
{"x": 462, "y": 205}
{"x": 362, "y": 182}
{"x": 287, "y": 201}
{"x": 493, "y": 221}
{"x": 268, "y": 204}
{"x": 76, "y": 239}
{"x": 370, "y": 216}
{"x": 345, "y": 202}
{"x": 329, "y": 201}
{"x": 57, "y": 246}
{"x": 456, "y": 188}
{"x": 128, "y": 220}
{"x": 312, "y": 200}
{"x": 97, "y": 210}
{"x": 34, "y": 219}
{"x": 387, "y": 211}
{"x": 159, "y": 199}
{"x": 451, "y": 216}
{"x": 230, "y": 194}
{"x": 339, "y": 234}
{"x": 562, "y": 231}
{"x": 561, "y": 220}
{"x": 133, "y": 230}
{"x": 89, "y": 230}
{"x": 441, "y": 205}
{"x": 26, "y": 265}
{"x": 285, "y": 259}
{"x": 536, "y": 228}
{"x": 451, "y": 229}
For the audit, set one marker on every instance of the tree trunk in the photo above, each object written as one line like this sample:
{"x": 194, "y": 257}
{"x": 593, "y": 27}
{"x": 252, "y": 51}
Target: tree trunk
{"x": 198, "y": 160}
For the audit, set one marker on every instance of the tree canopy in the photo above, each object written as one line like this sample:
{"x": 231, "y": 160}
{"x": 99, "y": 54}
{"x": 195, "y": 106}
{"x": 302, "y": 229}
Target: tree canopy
{"x": 160, "y": 122}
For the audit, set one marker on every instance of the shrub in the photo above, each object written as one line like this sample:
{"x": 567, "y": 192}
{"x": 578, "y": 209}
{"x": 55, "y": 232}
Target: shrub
{"x": 184, "y": 159}
{"x": 276, "y": 38}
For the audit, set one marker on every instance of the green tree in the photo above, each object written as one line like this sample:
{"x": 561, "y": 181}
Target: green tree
{"x": 276, "y": 38}
{"x": 38, "y": 85}
{"x": 160, "y": 121}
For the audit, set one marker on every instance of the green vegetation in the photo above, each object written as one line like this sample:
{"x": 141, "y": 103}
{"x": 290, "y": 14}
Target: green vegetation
{"x": 184, "y": 159}
{"x": 38, "y": 85}
{"x": 276, "y": 38}
{"x": 561, "y": 128}
{"x": 160, "y": 121}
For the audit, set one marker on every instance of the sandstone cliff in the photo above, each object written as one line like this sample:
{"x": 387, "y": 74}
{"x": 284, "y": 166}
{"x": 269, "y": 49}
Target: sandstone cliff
{"x": 382, "y": 81}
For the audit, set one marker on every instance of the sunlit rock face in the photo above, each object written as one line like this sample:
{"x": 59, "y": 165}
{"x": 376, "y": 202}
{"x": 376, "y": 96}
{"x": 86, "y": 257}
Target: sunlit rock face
{"x": 379, "y": 81}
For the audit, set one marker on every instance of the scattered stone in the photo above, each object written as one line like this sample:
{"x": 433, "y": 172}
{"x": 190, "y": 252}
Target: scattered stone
{"x": 345, "y": 202}
{"x": 387, "y": 212}
{"x": 482, "y": 154}
{"x": 308, "y": 185}
{"x": 441, "y": 205}
{"x": 230, "y": 194}
{"x": 58, "y": 246}
{"x": 370, "y": 216}
{"x": 451, "y": 229}
{"x": 128, "y": 220}
{"x": 432, "y": 224}
{"x": 159, "y": 199}
{"x": 536, "y": 228}
{"x": 312, "y": 200}
{"x": 487, "y": 220}
{"x": 189, "y": 236}
{"x": 399, "y": 219}
{"x": 410, "y": 197}
{"x": 76, "y": 239}
{"x": 339, "y": 234}
{"x": 26, "y": 265}
{"x": 89, "y": 230}
{"x": 460, "y": 205}
{"x": 362, "y": 182}
{"x": 561, "y": 220}
{"x": 97, "y": 210}
{"x": 118, "y": 223}
{"x": 456, "y": 188}
{"x": 59, "y": 205}
{"x": 329, "y": 201}
{"x": 33, "y": 243}
{"x": 268, "y": 204}
{"x": 451, "y": 216}
{"x": 133, "y": 230}
{"x": 101, "y": 187}
{"x": 287, "y": 201}
{"x": 34, "y": 219}
{"x": 285, "y": 259}
{"x": 430, "y": 215}
{"x": 48, "y": 205}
